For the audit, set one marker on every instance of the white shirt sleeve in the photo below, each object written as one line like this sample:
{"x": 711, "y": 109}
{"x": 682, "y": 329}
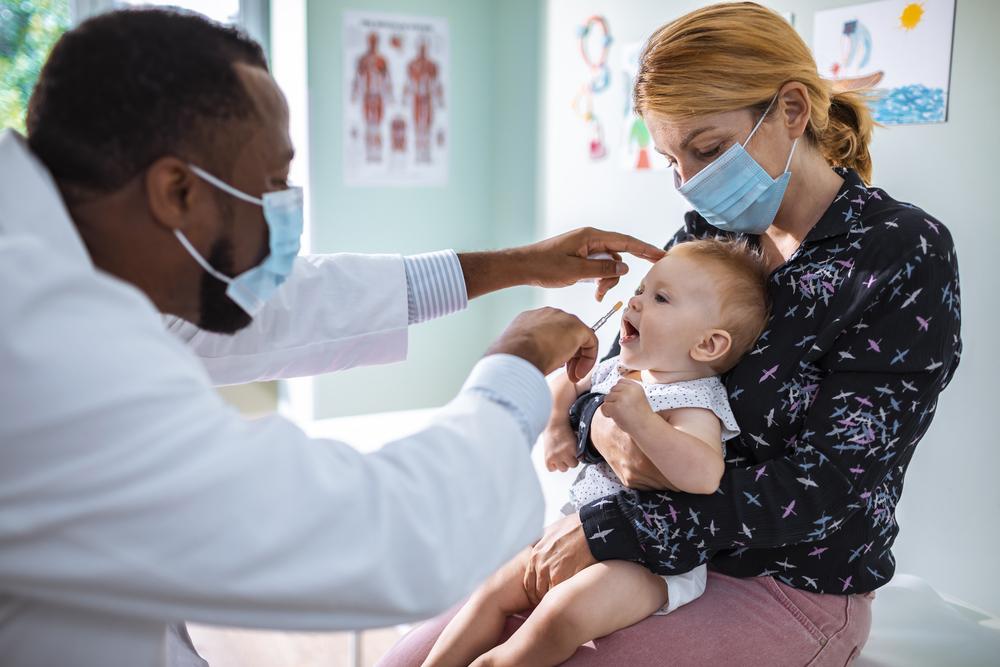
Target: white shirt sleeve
{"x": 129, "y": 488}
{"x": 435, "y": 285}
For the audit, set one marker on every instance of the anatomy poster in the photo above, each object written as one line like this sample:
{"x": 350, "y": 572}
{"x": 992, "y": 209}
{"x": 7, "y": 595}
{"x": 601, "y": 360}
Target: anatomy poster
{"x": 902, "y": 50}
{"x": 395, "y": 99}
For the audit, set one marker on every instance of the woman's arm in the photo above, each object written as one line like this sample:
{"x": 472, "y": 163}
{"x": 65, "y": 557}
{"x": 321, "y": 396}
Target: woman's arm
{"x": 832, "y": 468}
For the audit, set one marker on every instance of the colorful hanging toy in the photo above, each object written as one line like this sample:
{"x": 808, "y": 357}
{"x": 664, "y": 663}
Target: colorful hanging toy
{"x": 600, "y": 79}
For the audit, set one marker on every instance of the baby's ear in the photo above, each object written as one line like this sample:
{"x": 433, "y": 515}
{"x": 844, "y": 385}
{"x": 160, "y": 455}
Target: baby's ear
{"x": 714, "y": 345}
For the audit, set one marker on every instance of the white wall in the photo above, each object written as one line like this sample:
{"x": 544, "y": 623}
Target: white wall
{"x": 948, "y": 512}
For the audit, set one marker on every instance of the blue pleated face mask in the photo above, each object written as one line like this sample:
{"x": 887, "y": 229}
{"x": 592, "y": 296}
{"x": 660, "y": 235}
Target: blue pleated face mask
{"x": 734, "y": 193}
{"x": 283, "y": 212}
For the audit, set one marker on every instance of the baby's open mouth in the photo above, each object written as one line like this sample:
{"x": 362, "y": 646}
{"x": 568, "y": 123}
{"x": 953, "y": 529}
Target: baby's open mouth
{"x": 629, "y": 332}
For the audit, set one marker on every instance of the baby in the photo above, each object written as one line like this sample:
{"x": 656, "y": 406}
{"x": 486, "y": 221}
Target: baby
{"x": 696, "y": 312}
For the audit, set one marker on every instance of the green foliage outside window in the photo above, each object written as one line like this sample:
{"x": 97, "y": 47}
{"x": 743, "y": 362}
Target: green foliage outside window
{"x": 28, "y": 30}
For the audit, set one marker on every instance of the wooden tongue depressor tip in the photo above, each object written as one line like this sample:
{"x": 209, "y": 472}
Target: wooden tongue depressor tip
{"x": 600, "y": 323}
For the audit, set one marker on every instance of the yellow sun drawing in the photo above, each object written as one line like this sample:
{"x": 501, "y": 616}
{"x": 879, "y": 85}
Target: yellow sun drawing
{"x": 912, "y": 13}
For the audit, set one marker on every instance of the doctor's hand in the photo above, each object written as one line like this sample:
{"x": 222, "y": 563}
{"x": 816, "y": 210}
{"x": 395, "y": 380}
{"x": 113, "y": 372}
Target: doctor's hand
{"x": 549, "y": 338}
{"x": 562, "y": 260}
{"x": 561, "y": 553}
{"x": 555, "y": 262}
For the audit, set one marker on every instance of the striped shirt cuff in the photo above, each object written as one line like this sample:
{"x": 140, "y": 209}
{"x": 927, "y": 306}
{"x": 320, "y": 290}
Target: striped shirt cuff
{"x": 435, "y": 285}
{"x": 516, "y": 385}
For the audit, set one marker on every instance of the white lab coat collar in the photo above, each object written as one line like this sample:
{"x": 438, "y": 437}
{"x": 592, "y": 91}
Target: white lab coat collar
{"x": 30, "y": 202}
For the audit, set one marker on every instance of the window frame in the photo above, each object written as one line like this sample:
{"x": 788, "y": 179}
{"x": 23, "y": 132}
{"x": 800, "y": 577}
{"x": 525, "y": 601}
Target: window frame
{"x": 254, "y": 16}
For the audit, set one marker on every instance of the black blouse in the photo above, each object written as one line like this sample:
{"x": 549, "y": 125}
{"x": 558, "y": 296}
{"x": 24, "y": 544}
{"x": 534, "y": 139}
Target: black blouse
{"x": 831, "y": 402}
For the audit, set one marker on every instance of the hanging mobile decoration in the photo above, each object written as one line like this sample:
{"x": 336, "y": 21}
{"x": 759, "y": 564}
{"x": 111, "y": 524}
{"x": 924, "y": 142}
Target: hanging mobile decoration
{"x": 600, "y": 79}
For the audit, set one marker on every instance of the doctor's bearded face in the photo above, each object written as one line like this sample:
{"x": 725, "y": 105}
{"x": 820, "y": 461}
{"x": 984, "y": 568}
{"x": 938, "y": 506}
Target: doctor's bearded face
{"x": 125, "y": 104}
{"x": 261, "y": 166}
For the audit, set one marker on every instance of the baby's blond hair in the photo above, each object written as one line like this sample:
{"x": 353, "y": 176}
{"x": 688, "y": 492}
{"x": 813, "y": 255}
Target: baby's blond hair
{"x": 743, "y": 297}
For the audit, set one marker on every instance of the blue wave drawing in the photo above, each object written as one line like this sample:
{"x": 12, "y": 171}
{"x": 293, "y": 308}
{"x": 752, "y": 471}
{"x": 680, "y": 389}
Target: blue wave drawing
{"x": 909, "y": 104}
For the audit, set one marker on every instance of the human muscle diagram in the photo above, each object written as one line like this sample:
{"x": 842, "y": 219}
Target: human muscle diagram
{"x": 395, "y": 100}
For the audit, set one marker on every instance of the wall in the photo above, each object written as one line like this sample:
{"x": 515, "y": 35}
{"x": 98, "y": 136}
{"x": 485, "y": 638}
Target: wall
{"x": 489, "y": 200}
{"x": 951, "y": 499}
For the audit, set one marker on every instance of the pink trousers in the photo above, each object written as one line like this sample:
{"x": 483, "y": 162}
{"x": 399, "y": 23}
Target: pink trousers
{"x": 757, "y": 621}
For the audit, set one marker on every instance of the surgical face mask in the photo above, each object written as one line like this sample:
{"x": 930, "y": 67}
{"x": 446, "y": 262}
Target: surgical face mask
{"x": 735, "y": 193}
{"x": 283, "y": 211}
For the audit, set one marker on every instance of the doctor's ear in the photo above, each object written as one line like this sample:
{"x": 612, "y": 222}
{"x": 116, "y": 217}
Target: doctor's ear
{"x": 170, "y": 190}
{"x": 794, "y": 108}
{"x": 714, "y": 345}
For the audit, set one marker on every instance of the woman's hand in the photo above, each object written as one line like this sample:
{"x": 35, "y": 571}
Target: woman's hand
{"x": 559, "y": 447}
{"x": 633, "y": 468}
{"x": 561, "y": 553}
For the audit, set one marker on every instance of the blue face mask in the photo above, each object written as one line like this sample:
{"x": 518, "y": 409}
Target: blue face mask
{"x": 283, "y": 211}
{"x": 734, "y": 193}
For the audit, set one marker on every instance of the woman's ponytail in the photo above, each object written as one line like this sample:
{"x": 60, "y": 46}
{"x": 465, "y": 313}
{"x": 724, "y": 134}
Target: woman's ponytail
{"x": 845, "y": 140}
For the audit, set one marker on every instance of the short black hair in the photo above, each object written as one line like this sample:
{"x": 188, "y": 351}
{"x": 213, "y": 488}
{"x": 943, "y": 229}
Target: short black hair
{"x": 126, "y": 88}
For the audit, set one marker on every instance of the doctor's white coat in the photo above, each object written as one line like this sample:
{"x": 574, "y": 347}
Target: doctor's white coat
{"x": 131, "y": 496}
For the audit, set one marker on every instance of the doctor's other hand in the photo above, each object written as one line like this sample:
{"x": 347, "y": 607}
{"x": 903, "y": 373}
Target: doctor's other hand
{"x": 549, "y": 338}
{"x": 555, "y": 262}
{"x": 562, "y": 260}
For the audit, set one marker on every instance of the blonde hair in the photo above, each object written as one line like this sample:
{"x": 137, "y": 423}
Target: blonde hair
{"x": 743, "y": 300}
{"x": 737, "y": 55}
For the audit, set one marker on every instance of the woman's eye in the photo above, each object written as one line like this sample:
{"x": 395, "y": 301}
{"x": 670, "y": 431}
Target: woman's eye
{"x": 707, "y": 154}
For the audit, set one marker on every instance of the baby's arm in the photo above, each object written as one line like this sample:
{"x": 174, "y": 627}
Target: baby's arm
{"x": 558, "y": 439}
{"x": 685, "y": 444}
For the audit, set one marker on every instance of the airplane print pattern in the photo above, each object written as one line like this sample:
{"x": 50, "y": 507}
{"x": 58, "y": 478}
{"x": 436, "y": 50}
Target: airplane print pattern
{"x": 831, "y": 401}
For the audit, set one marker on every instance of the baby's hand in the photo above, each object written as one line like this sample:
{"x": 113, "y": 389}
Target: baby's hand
{"x": 559, "y": 447}
{"x": 626, "y": 404}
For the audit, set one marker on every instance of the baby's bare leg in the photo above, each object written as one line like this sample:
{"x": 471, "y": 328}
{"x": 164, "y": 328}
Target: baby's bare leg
{"x": 597, "y": 601}
{"x": 479, "y": 625}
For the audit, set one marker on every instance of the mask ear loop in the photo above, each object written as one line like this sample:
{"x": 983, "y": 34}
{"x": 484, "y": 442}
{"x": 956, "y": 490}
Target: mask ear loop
{"x": 201, "y": 260}
{"x": 225, "y": 187}
{"x": 792, "y": 154}
{"x": 766, "y": 111}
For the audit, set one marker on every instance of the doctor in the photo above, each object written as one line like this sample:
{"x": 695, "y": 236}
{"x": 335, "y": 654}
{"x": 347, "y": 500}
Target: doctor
{"x": 153, "y": 181}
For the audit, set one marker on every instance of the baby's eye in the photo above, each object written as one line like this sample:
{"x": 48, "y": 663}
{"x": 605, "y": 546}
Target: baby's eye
{"x": 662, "y": 298}
{"x": 638, "y": 290}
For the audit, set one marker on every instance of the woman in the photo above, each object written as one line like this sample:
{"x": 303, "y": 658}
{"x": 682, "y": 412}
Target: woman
{"x": 864, "y": 335}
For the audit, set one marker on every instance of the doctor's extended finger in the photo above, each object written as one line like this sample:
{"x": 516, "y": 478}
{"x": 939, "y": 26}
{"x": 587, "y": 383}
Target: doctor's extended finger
{"x": 611, "y": 242}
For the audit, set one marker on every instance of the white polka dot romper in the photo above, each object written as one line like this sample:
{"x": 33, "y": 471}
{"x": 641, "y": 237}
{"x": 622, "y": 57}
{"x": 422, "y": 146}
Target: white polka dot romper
{"x": 598, "y": 480}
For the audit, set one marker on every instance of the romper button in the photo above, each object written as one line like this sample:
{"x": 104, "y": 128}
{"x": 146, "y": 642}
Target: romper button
{"x": 822, "y": 642}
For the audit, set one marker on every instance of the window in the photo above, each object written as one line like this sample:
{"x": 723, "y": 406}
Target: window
{"x": 223, "y": 11}
{"x": 28, "y": 30}
{"x": 251, "y": 15}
